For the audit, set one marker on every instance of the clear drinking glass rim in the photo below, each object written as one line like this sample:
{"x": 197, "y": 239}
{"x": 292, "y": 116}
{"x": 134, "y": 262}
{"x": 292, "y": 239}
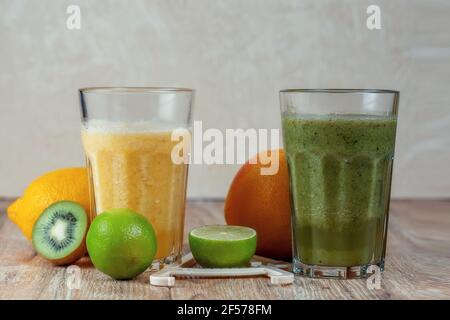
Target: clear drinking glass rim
{"x": 130, "y": 90}
{"x": 349, "y": 91}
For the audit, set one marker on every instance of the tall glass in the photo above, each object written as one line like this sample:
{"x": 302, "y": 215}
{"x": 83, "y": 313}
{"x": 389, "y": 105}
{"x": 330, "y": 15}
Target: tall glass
{"x": 127, "y": 138}
{"x": 340, "y": 148}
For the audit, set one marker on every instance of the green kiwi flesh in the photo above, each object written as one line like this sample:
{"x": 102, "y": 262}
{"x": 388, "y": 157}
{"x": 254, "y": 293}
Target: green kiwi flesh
{"x": 59, "y": 233}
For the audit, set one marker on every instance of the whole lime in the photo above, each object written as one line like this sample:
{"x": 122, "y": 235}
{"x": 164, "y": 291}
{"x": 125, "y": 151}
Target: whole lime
{"x": 121, "y": 243}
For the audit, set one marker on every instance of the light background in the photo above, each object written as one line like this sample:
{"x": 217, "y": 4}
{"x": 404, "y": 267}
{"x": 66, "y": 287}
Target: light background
{"x": 237, "y": 55}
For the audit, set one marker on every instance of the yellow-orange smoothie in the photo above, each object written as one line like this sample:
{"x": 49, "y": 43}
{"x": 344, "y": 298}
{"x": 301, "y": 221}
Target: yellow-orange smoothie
{"x": 132, "y": 168}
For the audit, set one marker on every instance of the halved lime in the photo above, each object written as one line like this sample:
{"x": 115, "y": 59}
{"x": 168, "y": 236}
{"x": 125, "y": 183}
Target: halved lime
{"x": 218, "y": 246}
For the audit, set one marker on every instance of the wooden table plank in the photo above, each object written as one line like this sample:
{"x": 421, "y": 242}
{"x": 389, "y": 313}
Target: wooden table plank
{"x": 417, "y": 266}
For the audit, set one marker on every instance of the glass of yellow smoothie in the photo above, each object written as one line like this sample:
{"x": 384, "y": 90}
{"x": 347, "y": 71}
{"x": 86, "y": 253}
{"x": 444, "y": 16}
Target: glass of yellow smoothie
{"x": 128, "y": 142}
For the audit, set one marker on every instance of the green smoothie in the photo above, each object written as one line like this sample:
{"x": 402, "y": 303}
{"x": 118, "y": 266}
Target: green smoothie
{"x": 340, "y": 170}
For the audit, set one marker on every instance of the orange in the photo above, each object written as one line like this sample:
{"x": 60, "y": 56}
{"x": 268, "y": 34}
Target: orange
{"x": 64, "y": 184}
{"x": 261, "y": 202}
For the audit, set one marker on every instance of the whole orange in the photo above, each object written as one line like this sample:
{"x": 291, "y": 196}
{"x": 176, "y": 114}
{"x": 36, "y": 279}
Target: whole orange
{"x": 261, "y": 202}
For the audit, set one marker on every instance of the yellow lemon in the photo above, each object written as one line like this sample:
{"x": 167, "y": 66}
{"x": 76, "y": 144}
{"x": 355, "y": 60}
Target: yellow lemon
{"x": 63, "y": 184}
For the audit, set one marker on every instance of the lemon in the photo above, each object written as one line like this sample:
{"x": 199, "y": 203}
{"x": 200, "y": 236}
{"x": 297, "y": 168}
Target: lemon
{"x": 121, "y": 243}
{"x": 64, "y": 184}
{"x": 218, "y": 246}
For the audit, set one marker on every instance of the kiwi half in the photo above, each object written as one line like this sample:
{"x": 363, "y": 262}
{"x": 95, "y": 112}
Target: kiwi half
{"x": 59, "y": 234}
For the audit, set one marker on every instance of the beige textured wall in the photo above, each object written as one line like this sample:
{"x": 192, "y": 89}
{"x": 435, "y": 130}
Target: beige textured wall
{"x": 237, "y": 54}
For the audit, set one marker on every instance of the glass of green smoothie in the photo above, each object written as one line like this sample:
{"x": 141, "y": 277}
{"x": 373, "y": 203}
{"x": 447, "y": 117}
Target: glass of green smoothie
{"x": 340, "y": 148}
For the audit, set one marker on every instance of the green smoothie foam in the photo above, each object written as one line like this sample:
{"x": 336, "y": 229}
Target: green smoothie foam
{"x": 340, "y": 168}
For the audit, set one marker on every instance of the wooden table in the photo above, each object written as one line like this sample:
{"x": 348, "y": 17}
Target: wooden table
{"x": 417, "y": 266}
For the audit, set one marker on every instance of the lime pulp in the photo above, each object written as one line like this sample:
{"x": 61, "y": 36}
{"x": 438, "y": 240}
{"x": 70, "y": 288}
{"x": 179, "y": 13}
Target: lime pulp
{"x": 222, "y": 246}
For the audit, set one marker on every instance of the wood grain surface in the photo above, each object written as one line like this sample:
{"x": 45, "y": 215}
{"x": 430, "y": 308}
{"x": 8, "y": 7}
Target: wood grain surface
{"x": 417, "y": 266}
